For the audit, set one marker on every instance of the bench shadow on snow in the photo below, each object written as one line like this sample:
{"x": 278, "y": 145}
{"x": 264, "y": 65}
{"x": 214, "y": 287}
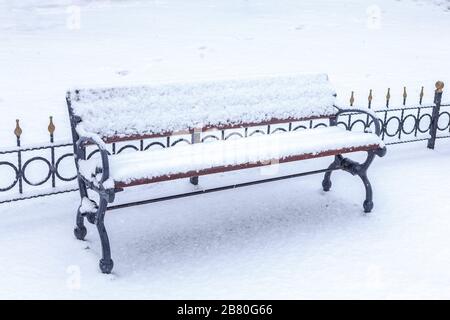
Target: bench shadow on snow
{"x": 183, "y": 233}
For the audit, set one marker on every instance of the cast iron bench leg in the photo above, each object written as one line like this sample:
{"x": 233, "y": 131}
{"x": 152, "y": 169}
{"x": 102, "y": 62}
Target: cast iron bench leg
{"x": 326, "y": 183}
{"x": 355, "y": 168}
{"x": 106, "y": 264}
{"x": 194, "y": 180}
{"x": 368, "y": 203}
{"x": 195, "y": 138}
{"x": 80, "y": 230}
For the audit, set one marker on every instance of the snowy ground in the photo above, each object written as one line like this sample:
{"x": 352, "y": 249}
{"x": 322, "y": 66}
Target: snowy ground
{"x": 48, "y": 46}
{"x": 281, "y": 240}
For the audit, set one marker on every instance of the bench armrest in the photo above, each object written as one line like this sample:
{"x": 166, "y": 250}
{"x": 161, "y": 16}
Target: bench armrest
{"x": 368, "y": 112}
{"x": 80, "y": 144}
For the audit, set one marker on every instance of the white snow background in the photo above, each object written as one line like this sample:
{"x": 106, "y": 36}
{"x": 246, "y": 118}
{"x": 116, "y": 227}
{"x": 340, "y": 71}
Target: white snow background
{"x": 50, "y": 46}
{"x": 282, "y": 240}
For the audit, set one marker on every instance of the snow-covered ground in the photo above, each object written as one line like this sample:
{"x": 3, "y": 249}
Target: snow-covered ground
{"x": 48, "y": 46}
{"x": 286, "y": 239}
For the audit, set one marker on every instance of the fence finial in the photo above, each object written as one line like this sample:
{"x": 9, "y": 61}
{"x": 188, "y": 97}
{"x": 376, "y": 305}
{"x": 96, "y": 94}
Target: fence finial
{"x": 352, "y": 99}
{"x": 388, "y": 97}
{"x": 421, "y": 95}
{"x": 439, "y": 86}
{"x": 405, "y": 95}
{"x": 18, "y": 129}
{"x": 369, "y": 98}
{"x": 51, "y": 127}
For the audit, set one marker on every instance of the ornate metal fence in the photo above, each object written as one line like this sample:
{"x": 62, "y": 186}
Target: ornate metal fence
{"x": 40, "y": 170}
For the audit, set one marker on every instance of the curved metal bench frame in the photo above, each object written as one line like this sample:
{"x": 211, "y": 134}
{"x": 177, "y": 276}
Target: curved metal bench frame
{"x": 107, "y": 195}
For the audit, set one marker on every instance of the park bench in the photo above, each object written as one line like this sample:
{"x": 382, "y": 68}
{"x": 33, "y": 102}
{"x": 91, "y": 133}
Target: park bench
{"x": 102, "y": 117}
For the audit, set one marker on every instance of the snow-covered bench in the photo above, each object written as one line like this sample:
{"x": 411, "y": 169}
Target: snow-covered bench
{"x": 102, "y": 116}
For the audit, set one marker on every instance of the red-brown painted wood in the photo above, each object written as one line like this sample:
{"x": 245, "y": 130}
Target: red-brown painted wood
{"x": 243, "y": 166}
{"x": 112, "y": 139}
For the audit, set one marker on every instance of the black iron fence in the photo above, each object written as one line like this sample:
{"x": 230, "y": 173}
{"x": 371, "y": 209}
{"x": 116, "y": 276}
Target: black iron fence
{"x": 39, "y": 170}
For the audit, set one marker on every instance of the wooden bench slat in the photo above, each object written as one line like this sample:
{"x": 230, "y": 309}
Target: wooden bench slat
{"x": 152, "y": 110}
{"x": 273, "y": 121}
{"x": 220, "y": 169}
{"x": 226, "y": 155}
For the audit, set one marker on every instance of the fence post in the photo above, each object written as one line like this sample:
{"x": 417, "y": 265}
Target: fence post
{"x": 435, "y": 115}
{"x": 18, "y": 133}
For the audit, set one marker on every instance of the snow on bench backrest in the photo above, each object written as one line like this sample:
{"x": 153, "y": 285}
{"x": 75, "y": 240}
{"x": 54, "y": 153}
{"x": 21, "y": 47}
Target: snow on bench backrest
{"x": 146, "y": 110}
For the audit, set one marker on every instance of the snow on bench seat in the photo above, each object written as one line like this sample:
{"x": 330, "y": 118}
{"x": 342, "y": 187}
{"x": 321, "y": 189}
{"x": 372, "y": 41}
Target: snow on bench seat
{"x": 225, "y": 155}
{"x": 130, "y": 111}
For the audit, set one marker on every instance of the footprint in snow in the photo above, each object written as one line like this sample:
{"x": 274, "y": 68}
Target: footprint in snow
{"x": 123, "y": 73}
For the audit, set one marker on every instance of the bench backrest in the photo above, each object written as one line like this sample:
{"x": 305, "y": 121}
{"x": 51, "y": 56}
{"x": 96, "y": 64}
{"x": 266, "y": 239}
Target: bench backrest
{"x": 125, "y": 113}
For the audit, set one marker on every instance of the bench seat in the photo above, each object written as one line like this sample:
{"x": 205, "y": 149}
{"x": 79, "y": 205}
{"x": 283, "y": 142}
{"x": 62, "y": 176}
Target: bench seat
{"x": 182, "y": 161}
